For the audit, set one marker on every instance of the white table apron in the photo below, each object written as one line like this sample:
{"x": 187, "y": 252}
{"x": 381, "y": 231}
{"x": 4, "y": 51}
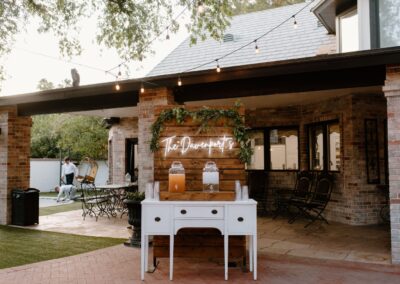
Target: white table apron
{"x": 231, "y": 218}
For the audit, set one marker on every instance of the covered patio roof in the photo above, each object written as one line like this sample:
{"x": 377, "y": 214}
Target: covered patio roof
{"x": 325, "y": 72}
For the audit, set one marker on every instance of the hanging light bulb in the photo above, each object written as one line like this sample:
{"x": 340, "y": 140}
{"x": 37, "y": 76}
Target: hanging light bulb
{"x": 218, "y": 68}
{"x": 141, "y": 88}
{"x": 200, "y": 7}
{"x": 256, "y": 47}
{"x": 167, "y": 37}
{"x": 179, "y": 81}
{"x": 294, "y": 22}
{"x": 117, "y": 87}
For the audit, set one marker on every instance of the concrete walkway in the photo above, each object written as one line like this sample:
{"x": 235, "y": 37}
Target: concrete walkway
{"x": 120, "y": 264}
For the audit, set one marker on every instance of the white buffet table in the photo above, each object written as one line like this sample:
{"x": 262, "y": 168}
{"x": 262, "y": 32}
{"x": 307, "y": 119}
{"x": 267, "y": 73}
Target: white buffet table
{"x": 229, "y": 217}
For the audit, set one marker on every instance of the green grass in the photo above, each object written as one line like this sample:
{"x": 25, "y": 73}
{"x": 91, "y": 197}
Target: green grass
{"x": 48, "y": 194}
{"x": 59, "y": 208}
{"x": 22, "y": 246}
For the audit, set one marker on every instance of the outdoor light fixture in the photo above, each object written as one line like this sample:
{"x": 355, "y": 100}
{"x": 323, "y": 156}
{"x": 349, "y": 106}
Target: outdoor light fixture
{"x": 218, "y": 68}
{"x": 142, "y": 88}
{"x": 167, "y": 37}
{"x": 294, "y": 22}
{"x": 117, "y": 87}
{"x": 256, "y": 47}
{"x": 179, "y": 81}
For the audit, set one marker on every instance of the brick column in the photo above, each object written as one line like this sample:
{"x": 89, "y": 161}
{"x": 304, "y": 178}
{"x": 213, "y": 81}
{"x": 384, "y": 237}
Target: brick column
{"x": 147, "y": 103}
{"x": 15, "y": 141}
{"x": 392, "y": 93}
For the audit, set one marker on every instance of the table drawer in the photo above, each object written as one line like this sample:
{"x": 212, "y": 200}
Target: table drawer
{"x": 207, "y": 212}
{"x": 242, "y": 219}
{"x": 156, "y": 219}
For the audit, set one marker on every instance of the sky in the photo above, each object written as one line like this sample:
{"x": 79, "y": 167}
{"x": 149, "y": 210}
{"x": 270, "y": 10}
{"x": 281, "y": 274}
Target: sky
{"x": 36, "y": 56}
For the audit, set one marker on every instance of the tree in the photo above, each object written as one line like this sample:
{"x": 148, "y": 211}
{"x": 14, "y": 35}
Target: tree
{"x": 126, "y": 25}
{"x": 242, "y": 7}
{"x": 79, "y": 136}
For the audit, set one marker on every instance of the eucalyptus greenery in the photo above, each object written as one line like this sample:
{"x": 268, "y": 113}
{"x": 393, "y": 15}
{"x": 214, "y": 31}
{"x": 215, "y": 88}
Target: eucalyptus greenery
{"x": 205, "y": 117}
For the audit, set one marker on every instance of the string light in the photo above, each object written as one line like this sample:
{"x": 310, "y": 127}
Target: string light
{"x": 141, "y": 88}
{"x": 117, "y": 87}
{"x": 218, "y": 68}
{"x": 200, "y": 7}
{"x": 294, "y": 22}
{"x": 256, "y": 47}
{"x": 179, "y": 81}
{"x": 167, "y": 37}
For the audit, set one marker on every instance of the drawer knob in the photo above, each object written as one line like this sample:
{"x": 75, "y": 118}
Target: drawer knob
{"x": 214, "y": 211}
{"x": 157, "y": 219}
{"x": 183, "y": 211}
{"x": 240, "y": 219}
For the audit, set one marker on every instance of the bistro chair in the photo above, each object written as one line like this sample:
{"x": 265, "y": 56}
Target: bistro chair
{"x": 301, "y": 192}
{"x": 95, "y": 202}
{"x": 257, "y": 189}
{"x": 313, "y": 207}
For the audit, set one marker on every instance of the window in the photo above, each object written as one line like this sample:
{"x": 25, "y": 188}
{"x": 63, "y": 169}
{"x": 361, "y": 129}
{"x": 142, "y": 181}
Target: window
{"x": 284, "y": 152}
{"x": 324, "y": 146}
{"x": 389, "y": 23}
{"x": 348, "y": 31}
{"x": 257, "y": 145}
{"x": 283, "y": 145}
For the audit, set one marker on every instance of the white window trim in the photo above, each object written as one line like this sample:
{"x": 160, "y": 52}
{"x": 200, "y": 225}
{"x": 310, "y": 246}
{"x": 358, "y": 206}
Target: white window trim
{"x": 338, "y": 27}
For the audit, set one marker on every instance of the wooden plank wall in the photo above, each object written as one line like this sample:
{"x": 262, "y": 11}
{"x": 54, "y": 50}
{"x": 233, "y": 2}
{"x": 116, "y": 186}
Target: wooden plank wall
{"x": 230, "y": 167}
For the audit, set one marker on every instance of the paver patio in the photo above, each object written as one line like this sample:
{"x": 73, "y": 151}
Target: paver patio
{"x": 120, "y": 264}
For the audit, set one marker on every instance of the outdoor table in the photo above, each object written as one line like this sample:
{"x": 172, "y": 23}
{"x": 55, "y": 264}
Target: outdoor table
{"x": 231, "y": 218}
{"x": 118, "y": 193}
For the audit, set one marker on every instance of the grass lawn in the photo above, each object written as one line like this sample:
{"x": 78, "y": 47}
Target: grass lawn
{"x": 48, "y": 194}
{"x": 22, "y": 246}
{"x": 59, "y": 208}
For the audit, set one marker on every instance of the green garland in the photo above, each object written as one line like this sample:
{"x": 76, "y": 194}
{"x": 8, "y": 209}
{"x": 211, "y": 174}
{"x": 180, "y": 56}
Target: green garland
{"x": 205, "y": 116}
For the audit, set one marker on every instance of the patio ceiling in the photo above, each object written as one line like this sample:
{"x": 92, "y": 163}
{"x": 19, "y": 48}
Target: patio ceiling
{"x": 326, "y": 72}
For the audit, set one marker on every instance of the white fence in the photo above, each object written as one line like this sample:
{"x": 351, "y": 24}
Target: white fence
{"x": 45, "y": 174}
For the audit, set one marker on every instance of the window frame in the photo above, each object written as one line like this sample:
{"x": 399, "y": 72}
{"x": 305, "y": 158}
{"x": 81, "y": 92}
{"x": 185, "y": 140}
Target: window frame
{"x": 267, "y": 146}
{"x": 339, "y": 27}
{"x": 325, "y": 125}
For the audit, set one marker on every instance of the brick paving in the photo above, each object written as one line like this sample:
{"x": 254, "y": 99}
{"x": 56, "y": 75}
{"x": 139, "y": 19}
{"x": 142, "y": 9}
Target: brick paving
{"x": 120, "y": 264}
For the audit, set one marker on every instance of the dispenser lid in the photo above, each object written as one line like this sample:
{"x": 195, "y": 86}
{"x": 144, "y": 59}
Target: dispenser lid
{"x": 210, "y": 167}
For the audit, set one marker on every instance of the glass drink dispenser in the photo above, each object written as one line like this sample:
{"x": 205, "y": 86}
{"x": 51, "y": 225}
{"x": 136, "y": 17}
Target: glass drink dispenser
{"x": 176, "y": 177}
{"x": 210, "y": 177}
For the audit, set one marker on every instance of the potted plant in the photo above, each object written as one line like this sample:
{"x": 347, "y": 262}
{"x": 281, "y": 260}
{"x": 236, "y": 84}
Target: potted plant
{"x": 133, "y": 203}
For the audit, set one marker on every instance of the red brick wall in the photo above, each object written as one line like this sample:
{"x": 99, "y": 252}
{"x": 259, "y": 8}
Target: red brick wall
{"x": 126, "y": 128}
{"x": 353, "y": 200}
{"x": 14, "y": 157}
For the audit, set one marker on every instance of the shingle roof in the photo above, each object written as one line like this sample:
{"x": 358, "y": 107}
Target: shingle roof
{"x": 282, "y": 44}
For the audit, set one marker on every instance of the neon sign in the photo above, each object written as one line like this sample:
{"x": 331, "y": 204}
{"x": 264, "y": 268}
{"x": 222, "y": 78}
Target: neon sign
{"x": 185, "y": 144}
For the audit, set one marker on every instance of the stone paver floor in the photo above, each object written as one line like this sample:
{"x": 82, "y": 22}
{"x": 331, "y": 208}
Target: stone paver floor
{"x": 120, "y": 264}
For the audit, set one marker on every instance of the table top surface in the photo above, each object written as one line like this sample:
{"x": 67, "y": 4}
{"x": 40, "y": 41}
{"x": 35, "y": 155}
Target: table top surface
{"x": 241, "y": 202}
{"x": 116, "y": 186}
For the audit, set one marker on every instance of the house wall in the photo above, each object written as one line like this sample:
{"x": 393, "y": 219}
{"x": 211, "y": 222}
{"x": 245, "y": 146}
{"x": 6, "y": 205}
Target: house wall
{"x": 126, "y": 128}
{"x": 353, "y": 200}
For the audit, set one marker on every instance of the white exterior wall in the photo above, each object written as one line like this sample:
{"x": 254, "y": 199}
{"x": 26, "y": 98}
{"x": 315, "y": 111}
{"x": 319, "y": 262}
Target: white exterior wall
{"x": 45, "y": 174}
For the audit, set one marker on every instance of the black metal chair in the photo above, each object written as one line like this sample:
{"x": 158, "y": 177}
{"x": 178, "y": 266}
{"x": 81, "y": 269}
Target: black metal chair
{"x": 256, "y": 181}
{"x": 301, "y": 192}
{"x": 313, "y": 207}
{"x": 95, "y": 202}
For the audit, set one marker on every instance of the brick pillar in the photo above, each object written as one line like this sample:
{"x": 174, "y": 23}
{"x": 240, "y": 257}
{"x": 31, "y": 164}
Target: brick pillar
{"x": 147, "y": 103}
{"x": 392, "y": 93}
{"x": 15, "y": 141}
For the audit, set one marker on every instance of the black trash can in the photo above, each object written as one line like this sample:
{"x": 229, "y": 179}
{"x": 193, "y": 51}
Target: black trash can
{"x": 25, "y": 207}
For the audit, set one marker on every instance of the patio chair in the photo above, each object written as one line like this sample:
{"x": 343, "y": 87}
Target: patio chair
{"x": 87, "y": 171}
{"x": 313, "y": 207}
{"x": 257, "y": 189}
{"x": 95, "y": 202}
{"x": 301, "y": 192}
